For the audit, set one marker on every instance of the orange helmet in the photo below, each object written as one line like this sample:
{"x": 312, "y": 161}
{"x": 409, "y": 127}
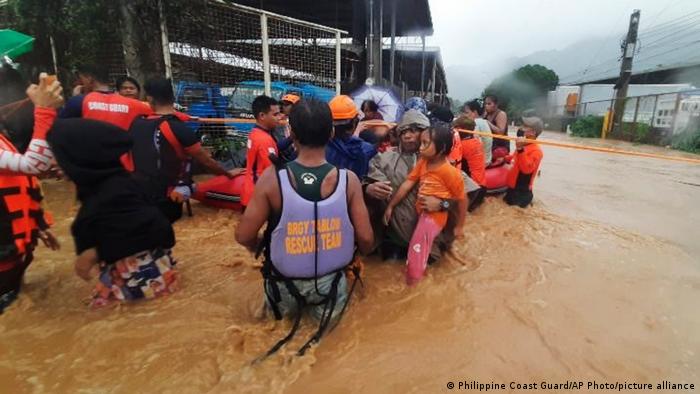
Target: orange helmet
{"x": 343, "y": 108}
{"x": 292, "y": 98}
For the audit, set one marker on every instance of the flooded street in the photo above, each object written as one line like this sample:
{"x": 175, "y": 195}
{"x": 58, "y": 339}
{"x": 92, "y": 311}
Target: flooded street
{"x": 600, "y": 279}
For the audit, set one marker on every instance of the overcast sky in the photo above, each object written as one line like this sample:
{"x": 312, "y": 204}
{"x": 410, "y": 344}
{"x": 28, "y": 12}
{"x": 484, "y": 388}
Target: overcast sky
{"x": 475, "y": 32}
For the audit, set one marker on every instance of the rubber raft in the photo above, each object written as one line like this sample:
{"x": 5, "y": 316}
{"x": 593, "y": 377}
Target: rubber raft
{"x": 220, "y": 192}
{"x": 225, "y": 193}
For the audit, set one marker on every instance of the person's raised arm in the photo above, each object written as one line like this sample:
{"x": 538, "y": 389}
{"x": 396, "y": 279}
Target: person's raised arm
{"x": 364, "y": 236}
{"x": 38, "y": 158}
{"x": 258, "y": 210}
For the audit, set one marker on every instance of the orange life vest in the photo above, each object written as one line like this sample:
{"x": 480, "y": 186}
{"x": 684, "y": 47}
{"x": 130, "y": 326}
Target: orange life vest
{"x": 21, "y": 215}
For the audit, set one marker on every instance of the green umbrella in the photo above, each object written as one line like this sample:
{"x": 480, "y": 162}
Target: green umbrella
{"x": 14, "y": 44}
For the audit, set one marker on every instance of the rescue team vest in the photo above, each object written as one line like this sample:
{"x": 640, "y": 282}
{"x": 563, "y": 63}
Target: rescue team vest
{"x": 112, "y": 108}
{"x": 20, "y": 211}
{"x": 312, "y": 239}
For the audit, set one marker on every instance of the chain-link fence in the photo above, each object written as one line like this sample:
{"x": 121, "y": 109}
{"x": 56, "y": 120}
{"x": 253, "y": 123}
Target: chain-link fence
{"x": 224, "y": 55}
{"x": 667, "y": 113}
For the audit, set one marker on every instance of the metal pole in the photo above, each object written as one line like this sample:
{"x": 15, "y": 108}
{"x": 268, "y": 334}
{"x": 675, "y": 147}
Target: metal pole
{"x": 653, "y": 113}
{"x": 422, "y": 68}
{"x": 625, "y": 72}
{"x": 337, "y": 62}
{"x": 432, "y": 89}
{"x": 380, "y": 60}
{"x": 675, "y": 113}
{"x": 370, "y": 42}
{"x": 167, "y": 62}
{"x": 265, "y": 55}
{"x": 392, "y": 57}
{"x": 634, "y": 119}
{"x": 53, "y": 55}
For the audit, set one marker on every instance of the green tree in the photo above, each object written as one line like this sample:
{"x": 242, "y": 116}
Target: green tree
{"x": 117, "y": 34}
{"x": 522, "y": 88}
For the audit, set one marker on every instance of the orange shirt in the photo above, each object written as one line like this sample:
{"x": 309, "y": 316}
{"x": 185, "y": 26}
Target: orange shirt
{"x": 260, "y": 146}
{"x": 443, "y": 182}
{"x": 473, "y": 157}
{"x": 523, "y": 171}
{"x": 113, "y": 108}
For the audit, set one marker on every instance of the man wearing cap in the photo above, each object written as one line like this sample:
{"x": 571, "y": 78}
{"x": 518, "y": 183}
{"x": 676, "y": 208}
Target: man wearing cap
{"x": 345, "y": 150}
{"x": 285, "y": 144}
{"x": 387, "y": 171}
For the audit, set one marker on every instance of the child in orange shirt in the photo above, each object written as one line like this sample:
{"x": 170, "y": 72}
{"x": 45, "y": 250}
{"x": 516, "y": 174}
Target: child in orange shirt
{"x": 438, "y": 179}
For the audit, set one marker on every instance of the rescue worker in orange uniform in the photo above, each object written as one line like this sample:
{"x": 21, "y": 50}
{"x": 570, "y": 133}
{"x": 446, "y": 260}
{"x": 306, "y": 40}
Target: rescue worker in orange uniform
{"x": 473, "y": 162}
{"x": 261, "y": 143}
{"x": 527, "y": 159}
{"x": 23, "y": 222}
{"x": 99, "y": 102}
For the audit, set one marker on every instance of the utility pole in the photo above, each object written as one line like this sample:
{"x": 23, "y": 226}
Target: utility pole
{"x": 623, "y": 82}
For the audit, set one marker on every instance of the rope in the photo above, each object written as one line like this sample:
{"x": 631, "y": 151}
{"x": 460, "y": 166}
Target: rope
{"x": 583, "y": 147}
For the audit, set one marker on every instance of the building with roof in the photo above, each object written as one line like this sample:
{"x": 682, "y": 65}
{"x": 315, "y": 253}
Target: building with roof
{"x": 386, "y": 41}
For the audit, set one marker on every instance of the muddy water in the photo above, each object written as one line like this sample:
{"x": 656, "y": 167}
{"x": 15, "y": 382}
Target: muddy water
{"x": 599, "y": 280}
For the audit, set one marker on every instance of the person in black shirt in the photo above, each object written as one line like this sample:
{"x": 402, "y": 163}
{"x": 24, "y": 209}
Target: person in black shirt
{"x": 163, "y": 148}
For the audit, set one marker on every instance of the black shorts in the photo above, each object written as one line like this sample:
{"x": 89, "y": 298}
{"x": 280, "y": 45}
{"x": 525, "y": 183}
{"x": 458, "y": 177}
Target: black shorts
{"x": 11, "y": 280}
{"x": 521, "y": 198}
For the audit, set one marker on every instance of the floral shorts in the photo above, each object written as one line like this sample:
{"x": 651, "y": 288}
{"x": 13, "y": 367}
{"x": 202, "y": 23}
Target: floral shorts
{"x": 144, "y": 275}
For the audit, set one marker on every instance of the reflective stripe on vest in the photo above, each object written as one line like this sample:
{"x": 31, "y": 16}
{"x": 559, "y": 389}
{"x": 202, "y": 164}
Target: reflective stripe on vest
{"x": 20, "y": 197}
{"x": 294, "y": 240}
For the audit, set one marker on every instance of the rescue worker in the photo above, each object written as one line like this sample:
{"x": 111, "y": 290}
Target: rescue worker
{"x": 99, "y": 102}
{"x": 163, "y": 149}
{"x": 261, "y": 143}
{"x": 473, "y": 163}
{"x": 23, "y": 222}
{"x": 345, "y": 150}
{"x": 315, "y": 217}
{"x": 526, "y": 163}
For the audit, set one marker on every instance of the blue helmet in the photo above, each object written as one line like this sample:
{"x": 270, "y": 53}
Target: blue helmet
{"x": 418, "y": 104}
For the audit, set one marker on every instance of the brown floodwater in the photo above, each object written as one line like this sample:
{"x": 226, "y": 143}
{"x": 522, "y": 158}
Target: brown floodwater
{"x": 600, "y": 279}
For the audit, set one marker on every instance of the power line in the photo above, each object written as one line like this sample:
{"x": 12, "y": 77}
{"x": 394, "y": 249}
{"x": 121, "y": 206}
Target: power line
{"x": 603, "y": 73}
{"x": 669, "y": 24}
{"x": 673, "y": 37}
{"x": 585, "y": 70}
{"x": 656, "y": 17}
{"x": 671, "y": 50}
{"x": 687, "y": 22}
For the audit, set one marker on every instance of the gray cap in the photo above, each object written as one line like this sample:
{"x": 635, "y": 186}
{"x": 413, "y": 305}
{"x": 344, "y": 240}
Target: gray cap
{"x": 412, "y": 118}
{"x": 534, "y": 122}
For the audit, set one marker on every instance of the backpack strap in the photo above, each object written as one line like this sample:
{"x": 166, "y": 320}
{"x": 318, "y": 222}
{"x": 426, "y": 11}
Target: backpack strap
{"x": 167, "y": 132}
